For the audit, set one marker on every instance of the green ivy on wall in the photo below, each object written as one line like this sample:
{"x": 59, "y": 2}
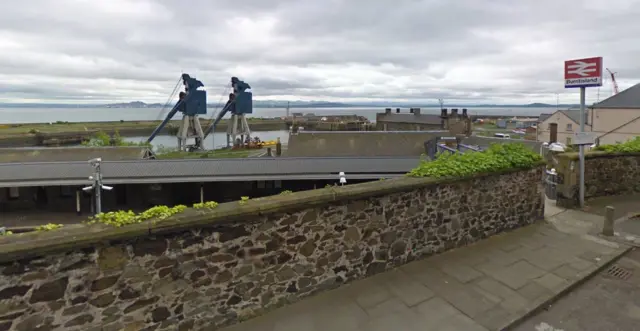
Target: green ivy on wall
{"x": 497, "y": 157}
{"x": 629, "y": 146}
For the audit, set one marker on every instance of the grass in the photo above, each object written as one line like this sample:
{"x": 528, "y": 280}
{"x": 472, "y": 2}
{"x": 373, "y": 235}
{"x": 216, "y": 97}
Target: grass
{"x": 64, "y": 127}
{"x": 215, "y": 154}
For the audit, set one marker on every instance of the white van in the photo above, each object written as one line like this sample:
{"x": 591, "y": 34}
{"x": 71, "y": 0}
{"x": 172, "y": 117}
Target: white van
{"x": 502, "y": 135}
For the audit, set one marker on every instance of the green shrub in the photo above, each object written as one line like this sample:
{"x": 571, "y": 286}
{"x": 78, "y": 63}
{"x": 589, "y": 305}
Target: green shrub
{"x": 285, "y": 192}
{"x": 629, "y": 146}
{"x": 496, "y": 158}
{"x": 243, "y": 200}
{"x": 102, "y": 139}
{"x": 208, "y": 205}
{"x": 121, "y": 217}
{"x": 48, "y": 227}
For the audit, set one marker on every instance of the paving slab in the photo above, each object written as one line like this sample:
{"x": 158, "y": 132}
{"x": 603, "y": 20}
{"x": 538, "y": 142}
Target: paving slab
{"x": 489, "y": 285}
{"x": 605, "y": 302}
{"x": 623, "y": 205}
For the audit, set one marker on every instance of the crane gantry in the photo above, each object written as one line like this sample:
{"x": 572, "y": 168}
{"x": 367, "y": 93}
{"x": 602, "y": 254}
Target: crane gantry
{"x": 613, "y": 81}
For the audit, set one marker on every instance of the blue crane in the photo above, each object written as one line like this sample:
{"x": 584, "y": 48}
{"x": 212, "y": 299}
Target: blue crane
{"x": 239, "y": 104}
{"x": 192, "y": 102}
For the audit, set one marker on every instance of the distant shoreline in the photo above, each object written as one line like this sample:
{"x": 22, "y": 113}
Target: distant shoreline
{"x": 70, "y": 133}
{"x": 280, "y": 106}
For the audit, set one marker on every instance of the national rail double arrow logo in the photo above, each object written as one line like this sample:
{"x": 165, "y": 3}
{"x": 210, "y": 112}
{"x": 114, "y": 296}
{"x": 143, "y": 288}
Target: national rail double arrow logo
{"x": 583, "y": 72}
{"x": 582, "y": 68}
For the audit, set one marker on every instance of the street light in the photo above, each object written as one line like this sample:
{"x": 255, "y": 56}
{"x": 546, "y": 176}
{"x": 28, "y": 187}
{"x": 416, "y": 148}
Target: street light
{"x": 97, "y": 185}
{"x": 343, "y": 178}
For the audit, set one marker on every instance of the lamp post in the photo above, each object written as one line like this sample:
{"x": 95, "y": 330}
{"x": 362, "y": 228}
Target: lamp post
{"x": 97, "y": 185}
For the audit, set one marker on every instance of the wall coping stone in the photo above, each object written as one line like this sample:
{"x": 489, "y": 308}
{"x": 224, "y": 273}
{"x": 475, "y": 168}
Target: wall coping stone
{"x": 79, "y": 236}
{"x": 597, "y": 154}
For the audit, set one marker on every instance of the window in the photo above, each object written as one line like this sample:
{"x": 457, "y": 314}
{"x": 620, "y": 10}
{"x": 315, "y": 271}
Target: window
{"x": 66, "y": 192}
{"x": 569, "y": 141}
{"x": 569, "y": 127}
{"x": 13, "y": 193}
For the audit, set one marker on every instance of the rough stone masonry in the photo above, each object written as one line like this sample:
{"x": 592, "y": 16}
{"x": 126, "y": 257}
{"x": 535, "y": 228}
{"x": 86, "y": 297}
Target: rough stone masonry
{"x": 605, "y": 174}
{"x": 206, "y": 277}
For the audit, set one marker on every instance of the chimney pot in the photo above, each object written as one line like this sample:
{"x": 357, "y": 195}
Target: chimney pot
{"x": 464, "y": 112}
{"x": 443, "y": 112}
{"x": 397, "y": 110}
{"x": 387, "y": 110}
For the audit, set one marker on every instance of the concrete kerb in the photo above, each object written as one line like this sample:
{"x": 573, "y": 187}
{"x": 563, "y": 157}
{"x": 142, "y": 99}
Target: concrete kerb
{"x": 566, "y": 290}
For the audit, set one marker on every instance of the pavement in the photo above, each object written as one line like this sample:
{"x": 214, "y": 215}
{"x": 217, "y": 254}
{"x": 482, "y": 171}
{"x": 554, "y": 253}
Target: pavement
{"x": 494, "y": 284}
{"x": 610, "y": 301}
{"x": 623, "y": 205}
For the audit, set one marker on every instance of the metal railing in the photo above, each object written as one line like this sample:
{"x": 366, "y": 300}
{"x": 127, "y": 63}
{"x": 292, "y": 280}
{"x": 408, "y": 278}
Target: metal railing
{"x": 551, "y": 184}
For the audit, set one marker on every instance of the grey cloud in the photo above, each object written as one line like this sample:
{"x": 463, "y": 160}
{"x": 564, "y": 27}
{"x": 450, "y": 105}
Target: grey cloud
{"x": 466, "y": 50}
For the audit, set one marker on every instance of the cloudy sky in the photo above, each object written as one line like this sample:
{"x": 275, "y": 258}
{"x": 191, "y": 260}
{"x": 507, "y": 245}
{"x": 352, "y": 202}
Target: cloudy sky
{"x": 469, "y": 51}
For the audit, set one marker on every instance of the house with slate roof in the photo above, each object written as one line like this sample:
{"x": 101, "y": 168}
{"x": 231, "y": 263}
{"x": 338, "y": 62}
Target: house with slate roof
{"x": 615, "y": 119}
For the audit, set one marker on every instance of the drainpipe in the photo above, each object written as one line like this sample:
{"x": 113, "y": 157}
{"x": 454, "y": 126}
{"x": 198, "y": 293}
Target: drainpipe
{"x": 78, "y": 212}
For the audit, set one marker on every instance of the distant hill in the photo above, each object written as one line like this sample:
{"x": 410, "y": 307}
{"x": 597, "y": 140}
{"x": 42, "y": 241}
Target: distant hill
{"x": 256, "y": 103}
{"x": 293, "y": 104}
{"x": 133, "y": 104}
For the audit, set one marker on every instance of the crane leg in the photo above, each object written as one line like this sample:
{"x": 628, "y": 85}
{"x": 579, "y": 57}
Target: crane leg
{"x": 245, "y": 126}
{"x": 190, "y": 128}
{"x": 183, "y": 133}
{"x": 198, "y": 131}
{"x": 234, "y": 129}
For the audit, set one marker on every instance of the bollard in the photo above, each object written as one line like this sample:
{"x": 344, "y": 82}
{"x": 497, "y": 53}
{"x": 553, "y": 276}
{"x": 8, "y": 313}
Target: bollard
{"x": 607, "y": 227}
{"x": 269, "y": 152}
{"x": 278, "y": 148}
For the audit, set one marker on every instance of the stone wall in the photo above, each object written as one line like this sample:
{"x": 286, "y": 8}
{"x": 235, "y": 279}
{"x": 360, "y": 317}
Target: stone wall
{"x": 605, "y": 174}
{"x": 202, "y": 270}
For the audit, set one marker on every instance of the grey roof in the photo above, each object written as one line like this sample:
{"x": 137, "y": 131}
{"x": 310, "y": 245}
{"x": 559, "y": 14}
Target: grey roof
{"x": 629, "y": 98}
{"x": 573, "y": 114}
{"x": 430, "y": 119}
{"x": 203, "y": 170}
{"x": 544, "y": 116}
{"x": 48, "y": 154}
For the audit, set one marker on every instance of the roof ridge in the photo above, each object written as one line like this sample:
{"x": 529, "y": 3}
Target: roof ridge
{"x": 619, "y": 100}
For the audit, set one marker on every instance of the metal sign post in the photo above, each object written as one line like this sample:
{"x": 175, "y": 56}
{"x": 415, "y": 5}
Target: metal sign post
{"x": 581, "y": 161}
{"x": 583, "y": 73}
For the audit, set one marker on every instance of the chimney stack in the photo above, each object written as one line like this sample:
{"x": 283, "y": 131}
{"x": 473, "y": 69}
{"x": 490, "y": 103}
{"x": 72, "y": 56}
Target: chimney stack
{"x": 416, "y": 111}
{"x": 387, "y": 110}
